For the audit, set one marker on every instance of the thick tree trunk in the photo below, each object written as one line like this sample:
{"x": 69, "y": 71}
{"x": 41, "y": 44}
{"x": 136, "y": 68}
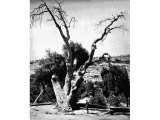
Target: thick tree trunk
{"x": 67, "y": 85}
{"x": 61, "y": 96}
{"x": 73, "y": 96}
{"x": 66, "y": 102}
{"x": 69, "y": 65}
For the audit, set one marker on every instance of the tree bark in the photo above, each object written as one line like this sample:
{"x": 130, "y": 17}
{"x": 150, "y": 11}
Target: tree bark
{"x": 60, "y": 94}
{"x": 67, "y": 85}
{"x": 73, "y": 96}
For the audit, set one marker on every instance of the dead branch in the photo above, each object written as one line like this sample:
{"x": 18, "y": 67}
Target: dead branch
{"x": 83, "y": 68}
{"x": 72, "y": 20}
{"x": 58, "y": 15}
{"x": 102, "y": 21}
{"x": 106, "y": 31}
{"x": 64, "y": 22}
{"x": 39, "y": 13}
{"x": 121, "y": 15}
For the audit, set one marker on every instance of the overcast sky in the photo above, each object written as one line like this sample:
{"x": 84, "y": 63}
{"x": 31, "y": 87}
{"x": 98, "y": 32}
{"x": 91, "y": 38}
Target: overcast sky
{"x": 88, "y": 13}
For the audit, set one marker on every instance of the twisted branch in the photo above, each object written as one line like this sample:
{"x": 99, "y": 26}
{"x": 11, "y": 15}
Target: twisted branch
{"x": 106, "y": 31}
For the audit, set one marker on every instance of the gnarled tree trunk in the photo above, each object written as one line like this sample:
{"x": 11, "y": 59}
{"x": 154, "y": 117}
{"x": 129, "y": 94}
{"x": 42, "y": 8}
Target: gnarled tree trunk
{"x": 61, "y": 96}
{"x": 66, "y": 102}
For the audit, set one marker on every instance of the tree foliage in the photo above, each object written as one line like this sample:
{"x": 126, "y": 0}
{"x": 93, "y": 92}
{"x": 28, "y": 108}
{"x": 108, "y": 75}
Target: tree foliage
{"x": 36, "y": 87}
{"x": 80, "y": 54}
{"x": 54, "y": 63}
{"x": 115, "y": 79}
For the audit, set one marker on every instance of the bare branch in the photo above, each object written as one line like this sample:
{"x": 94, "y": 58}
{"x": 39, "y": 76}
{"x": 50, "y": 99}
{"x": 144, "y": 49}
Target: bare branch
{"x": 82, "y": 69}
{"x": 106, "y": 31}
{"x": 102, "y": 21}
{"x": 73, "y": 20}
{"x": 40, "y": 13}
{"x": 37, "y": 13}
{"x": 58, "y": 17}
{"x": 63, "y": 15}
{"x": 38, "y": 8}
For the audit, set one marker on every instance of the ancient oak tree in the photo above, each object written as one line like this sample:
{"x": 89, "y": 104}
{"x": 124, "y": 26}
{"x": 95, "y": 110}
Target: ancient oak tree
{"x": 66, "y": 95}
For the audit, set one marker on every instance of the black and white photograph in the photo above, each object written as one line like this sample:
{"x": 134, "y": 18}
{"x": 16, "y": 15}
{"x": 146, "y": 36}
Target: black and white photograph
{"x": 79, "y": 59}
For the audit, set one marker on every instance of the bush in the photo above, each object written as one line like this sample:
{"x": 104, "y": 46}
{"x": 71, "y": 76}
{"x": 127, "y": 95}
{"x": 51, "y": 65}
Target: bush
{"x": 54, "y": 63}
{"x": 113, "y": 100}
{"x": 34, "y": 90}
{"x": 86, "y": 89}
{"x": 116, "y": 80}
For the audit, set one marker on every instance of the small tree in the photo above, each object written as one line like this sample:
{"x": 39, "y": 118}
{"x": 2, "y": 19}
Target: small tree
{"x": 67, "y": 96}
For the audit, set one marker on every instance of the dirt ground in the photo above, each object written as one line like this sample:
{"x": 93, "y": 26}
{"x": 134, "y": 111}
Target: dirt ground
{"x": 49, "y": 112}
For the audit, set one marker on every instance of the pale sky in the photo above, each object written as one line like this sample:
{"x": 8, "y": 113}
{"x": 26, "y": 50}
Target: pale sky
{"x": 88, "y": 13}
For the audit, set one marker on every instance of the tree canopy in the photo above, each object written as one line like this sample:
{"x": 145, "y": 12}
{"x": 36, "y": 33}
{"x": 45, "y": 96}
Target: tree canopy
{"x": 80, "y": 54}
